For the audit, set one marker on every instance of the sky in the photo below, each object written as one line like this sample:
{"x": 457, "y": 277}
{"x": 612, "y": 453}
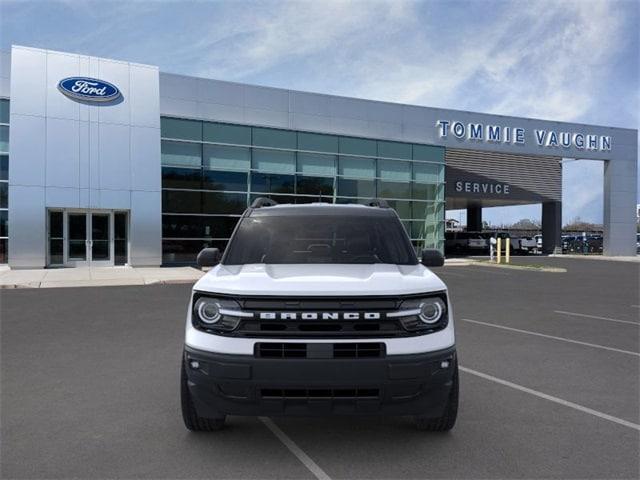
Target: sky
{"x": 558, "y": 60}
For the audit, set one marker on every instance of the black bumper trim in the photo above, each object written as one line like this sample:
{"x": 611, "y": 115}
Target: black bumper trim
{"x": 223, "y": 384}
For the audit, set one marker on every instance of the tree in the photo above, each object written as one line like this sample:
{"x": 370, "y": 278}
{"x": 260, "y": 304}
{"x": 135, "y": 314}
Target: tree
{"x": 525, "y": 224}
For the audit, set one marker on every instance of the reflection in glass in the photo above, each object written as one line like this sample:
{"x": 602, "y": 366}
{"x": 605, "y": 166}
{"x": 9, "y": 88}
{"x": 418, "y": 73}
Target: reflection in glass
{"x": 314, "y": 186}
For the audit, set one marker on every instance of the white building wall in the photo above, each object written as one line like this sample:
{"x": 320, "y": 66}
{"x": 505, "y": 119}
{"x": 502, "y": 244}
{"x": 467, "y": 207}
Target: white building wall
{"x": 71, "y": 154}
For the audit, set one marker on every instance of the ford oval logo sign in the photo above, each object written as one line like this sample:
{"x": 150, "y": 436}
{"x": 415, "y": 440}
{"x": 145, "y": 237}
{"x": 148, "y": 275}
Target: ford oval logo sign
{"x": 89, "y": 89}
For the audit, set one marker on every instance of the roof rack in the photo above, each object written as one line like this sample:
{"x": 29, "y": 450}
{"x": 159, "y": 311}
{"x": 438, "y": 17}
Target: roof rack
{"x": 263, "y": 202}
{"x": 377, "y": 202}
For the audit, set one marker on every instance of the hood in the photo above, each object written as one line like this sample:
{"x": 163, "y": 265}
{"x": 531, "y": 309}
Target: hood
{"x": 320, "y": 280}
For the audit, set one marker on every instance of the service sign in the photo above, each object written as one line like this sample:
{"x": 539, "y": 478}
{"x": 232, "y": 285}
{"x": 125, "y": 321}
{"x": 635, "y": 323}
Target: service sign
{"x": 88, "y": 89}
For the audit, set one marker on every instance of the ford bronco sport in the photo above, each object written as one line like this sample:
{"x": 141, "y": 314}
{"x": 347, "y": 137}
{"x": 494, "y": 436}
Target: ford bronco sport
{"x": 319, "y": 309}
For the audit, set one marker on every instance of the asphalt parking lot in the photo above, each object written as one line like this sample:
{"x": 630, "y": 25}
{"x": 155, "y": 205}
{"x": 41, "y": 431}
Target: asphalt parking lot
{"x": 549, "y": 388}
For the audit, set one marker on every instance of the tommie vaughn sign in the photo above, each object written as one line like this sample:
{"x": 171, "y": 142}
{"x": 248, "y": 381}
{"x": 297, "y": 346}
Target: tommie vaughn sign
{"x": 88, "y": 89}
{"x": 478, "y": 132}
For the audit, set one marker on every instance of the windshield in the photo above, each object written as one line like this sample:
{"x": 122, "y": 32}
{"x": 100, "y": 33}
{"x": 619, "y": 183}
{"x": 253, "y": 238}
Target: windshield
{"x": 320, "y": 239}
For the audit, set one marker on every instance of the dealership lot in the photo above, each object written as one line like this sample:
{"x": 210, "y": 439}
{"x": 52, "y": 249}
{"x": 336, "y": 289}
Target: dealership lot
{"x": 549, "y": 388}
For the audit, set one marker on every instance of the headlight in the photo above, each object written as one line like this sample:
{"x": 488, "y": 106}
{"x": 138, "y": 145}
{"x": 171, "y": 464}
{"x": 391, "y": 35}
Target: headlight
{"x": 431, "y": 310}
{"x": 208, "y": 310}
{"x": 427, "y": 313}
{"x": 216, "y": 314}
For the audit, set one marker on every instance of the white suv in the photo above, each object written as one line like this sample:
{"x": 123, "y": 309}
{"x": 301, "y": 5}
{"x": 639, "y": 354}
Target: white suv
{"x": 319, "y": 309}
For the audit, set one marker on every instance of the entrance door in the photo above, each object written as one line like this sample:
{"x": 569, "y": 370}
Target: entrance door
{"x": 100, "y": 244}
{"x": 87, "y": 238}
{"x": 77, "y": 240}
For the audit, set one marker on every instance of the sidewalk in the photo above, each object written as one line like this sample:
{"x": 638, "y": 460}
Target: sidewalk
{"x": 96, "y": 277}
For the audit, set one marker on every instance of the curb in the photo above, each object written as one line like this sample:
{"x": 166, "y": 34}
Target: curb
{"x": 98, "y": 283}
{"x": 520, "y": 267}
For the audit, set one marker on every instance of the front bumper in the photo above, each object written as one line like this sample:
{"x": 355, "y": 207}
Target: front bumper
{"x": 224, "y": 384}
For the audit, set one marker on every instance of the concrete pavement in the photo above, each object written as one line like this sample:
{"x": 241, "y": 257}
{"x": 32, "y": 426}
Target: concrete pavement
{"x": 90, "y": 388}
{"x": 96, "y": 276}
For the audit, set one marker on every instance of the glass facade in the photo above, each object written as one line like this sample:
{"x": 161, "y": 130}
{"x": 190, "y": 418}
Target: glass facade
{"x": 211, "y": 172}
{"x": 4, "y": 180}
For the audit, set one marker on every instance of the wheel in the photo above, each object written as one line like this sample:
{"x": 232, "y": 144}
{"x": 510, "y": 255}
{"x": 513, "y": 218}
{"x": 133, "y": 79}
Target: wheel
{"x": 190, "y": 417}
{"x": 448, "y": 419}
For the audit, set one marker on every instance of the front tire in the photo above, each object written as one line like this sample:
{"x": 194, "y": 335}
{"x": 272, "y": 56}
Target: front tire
{"x": 448, "y": 418}
{"x": 191, "y": 419}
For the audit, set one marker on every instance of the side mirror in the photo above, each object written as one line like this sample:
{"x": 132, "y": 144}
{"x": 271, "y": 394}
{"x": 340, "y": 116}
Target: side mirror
{"x": 432, "y": 258}
{"x": 208, "y": 257}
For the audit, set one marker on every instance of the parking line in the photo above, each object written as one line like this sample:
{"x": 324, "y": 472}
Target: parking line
{"x": 596, "y": 317}
{"x": 562, "y": 339}
{"x": 295, "y": 449}
{"x": 551, "y": 398}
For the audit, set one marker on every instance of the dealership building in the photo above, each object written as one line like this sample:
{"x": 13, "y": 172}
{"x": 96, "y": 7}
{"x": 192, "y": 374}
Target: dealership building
{"x": 107, "y": 162}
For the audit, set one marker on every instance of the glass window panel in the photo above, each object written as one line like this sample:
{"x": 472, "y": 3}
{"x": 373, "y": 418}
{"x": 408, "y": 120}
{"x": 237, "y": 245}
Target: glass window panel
{"x": 4, "y": 219}
{"x": 4, "y": 111}
{"x": 55, "y": 225}
{"x": 180, "y": 153}
{"x": 280, "y": 199}
{"x": 393, "y": 189}
{"x": 428, "y": 173}
{"x": 324, "y": 199}
{"x": 357, "y": 167}
{"x": 356, "y": 188}
{"x": 269, "y": 183}
{"x": 186, "y": 226}
{"x": 316, "y": 164}
{"x": 4, "y": 251}
{"x": 428, "y": 192}
{"x": 175, "y": 201}
{"x": 317, "y": 143}
{"x": 403, "y": 209}
{"x": 394, "y": 150}
{"x": 4, "y": 139}
{"x": 274, "y": 161}
{"x": 420, "y": 210}
{"x": 4, "y": 167}
{"x": 428, "y": 153}
{"x": 120, "y": 243}
{"x": 314, "y": 186}
{"x": 182, "y": 178}
{"x": 352, "y": 201}
{"x": 217, "y": 180}
{"x": 227, "y": 158}
{"x": 178, "y": 128}
{"x": 394, "y": 171}
{"x": 56, "y": 248}
{"x": 422, "y": 230}
{"x": 4, "y": 195}
{"x": 272, "y": 137}
{"x": 225, "y": 133}
{"x": 185, "y": 251}
{"x": 358, "y": 146}
{"x": 216, "y": 202}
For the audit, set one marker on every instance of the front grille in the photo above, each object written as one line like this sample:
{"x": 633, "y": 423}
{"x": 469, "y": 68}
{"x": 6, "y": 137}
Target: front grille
{"x": 323, "y": 318}
{"x": 320, "y": 393}
{"x": 320, "y": 350}
{"x": 324, "y": 328}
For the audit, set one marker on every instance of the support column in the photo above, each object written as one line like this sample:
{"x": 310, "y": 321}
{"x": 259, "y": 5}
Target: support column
{"x": 551, "y": 226}
{"x": 474, "y": 218}
{"x": 620, "y": 191}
